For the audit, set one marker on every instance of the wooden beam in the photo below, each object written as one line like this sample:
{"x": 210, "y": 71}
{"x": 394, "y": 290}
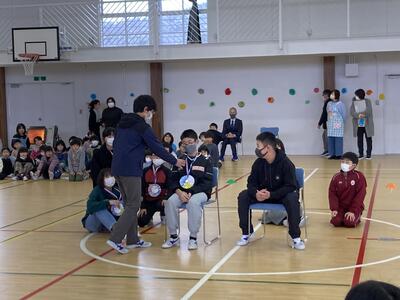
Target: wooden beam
{"x": 156, "y": 79}
{"x": 3, "y": 107}
{"x": 329, "y": 72}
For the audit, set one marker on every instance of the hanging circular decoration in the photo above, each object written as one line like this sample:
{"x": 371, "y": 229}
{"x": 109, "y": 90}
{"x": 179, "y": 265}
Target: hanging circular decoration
{"x": 200, "y": 91}
{"x": 254, "y": 92}
{"x": 166, "y": 90}
{"x": 212, "y": 104}
{"x": 381, "y": 96}
{"x": 344, "y": 90}
{"x": 316, "y": 90}
{"x": 241, "y": 104}
{"x": 182, "y": 106}
{"x": 228, "y": 91}
{"x": 93, "y": 96}
{"x": 132, "y": 94}
{"x": 271, "y": 100}
{"x": 307, "y": 101}
{"x": 292, "y": 92}
{"x": 370, "y": 92}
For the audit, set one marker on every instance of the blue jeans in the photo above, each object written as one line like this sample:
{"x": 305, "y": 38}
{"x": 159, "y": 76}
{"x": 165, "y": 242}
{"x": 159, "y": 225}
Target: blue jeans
{"x": 99, "y": 221}
{"x": 335, "y": 146}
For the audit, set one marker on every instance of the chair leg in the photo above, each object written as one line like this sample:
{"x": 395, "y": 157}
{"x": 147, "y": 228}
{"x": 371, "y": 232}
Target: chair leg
{"x": 305, "y": 217}
{"x": 206, "y": 242}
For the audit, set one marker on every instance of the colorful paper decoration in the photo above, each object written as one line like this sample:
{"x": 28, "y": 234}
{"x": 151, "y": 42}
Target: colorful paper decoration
{"x": 200, "y": 91}
{"x": 254, "y": 92}
{"x": 271, "y": 100}
{"x": 292, "y": 92}
{"x": 316, "y": 90}
{"x": 344, "y": 90}
{"x": 370, "y": 92}
{"x": 381, "y": 96}
{"x": 166, "y": 90}
{"x": 93, "y": 96}
{"x": 307, "y": 101}
{"x": 182, "y": 106}
{"x": 241, "y": 104}
{"x": 391, "y": 186}
{"x": 132, "y": 94}
{"x": 212, "y": 104}
{"x": 228, "y": 91}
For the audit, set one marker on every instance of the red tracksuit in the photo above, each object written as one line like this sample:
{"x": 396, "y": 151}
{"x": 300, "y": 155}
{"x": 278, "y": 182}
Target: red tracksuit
{"x": 346, "y": 194}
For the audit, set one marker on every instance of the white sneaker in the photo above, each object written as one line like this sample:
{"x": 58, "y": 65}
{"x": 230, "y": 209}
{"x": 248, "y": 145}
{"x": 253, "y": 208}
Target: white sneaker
{"x": 14, "y": 178}
{"x": 118, "y": 247}
{"x": 244, "y": 240}
{"x": 25, "y": 178}
{"x": 139, "y": 244}
{"x": 170, "y": 243}
{"x": 192, "y": 244}
{"x": 163, "y": 220}
{"x": 298, "y": 244}
{"x": 301, "y": 224}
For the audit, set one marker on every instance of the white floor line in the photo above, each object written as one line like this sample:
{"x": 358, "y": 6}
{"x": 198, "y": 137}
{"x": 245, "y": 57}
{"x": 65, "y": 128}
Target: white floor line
{"x": 227, "y": 256}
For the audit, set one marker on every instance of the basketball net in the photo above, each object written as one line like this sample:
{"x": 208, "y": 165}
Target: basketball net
{"x": 28, "y": 61}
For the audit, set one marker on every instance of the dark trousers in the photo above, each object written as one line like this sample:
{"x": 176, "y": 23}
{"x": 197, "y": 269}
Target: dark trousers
{"x": 152, "y": 207}
{"x": 231, "y": 142}
{"x": 131, "y": 190}
{"x": 290, "y": 201}
{"x": 360, "y": 141}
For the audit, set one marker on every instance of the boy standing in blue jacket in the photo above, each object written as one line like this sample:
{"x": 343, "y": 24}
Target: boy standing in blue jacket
{"x": 133, "y": 135}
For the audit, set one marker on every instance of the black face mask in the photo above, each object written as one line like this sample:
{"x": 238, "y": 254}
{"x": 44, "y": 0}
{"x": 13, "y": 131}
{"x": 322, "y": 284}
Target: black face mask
{"x": 232, "y": 116}
{"x": 259, "y": 153}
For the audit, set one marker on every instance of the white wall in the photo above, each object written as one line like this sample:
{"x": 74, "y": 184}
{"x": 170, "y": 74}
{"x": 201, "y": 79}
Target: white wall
{"x": 270, "y": 76}
{"x": 107, "y": 79}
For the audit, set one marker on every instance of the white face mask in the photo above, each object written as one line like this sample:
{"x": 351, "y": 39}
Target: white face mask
{"x": 147, "y": 159}
{"x": 158, "y": 162}
{"x": 149, "y": 117}
{"x": 345, "y": 167}
{"x": 111, "y": 104}
{"x": 109, "y": 181}
{"x": 110, "y": 141}
{"x": 95, "y": 143}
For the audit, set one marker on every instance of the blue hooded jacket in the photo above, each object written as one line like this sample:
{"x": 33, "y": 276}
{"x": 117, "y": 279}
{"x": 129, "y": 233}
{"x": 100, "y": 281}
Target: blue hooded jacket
{"x": 132, "y": 136}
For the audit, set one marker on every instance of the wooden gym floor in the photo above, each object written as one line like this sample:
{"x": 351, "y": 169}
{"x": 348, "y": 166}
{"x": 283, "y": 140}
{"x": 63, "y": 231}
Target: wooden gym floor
{"x": 46, "y": 254}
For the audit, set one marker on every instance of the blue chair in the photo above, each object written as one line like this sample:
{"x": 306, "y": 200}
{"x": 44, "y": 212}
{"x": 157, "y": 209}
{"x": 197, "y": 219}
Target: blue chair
{"x": 212, "y": 200}
{"x": 273, "y": 130}
{"x": 279, "y": 207}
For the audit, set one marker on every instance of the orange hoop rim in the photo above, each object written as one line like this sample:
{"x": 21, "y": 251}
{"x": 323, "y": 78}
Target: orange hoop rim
{"x": 30, "y": 56}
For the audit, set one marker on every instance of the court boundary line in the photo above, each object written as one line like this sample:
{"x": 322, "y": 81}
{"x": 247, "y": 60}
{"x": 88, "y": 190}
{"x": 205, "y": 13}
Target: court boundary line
{"x": 363, "y": 243}
{"x": 54, "y": 281}
{"x": 224, "y": 259}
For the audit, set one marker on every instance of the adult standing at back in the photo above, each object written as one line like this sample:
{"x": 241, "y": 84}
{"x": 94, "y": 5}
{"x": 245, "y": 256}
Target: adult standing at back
{"x": 133, "y": 135}
{"x": 112, "y": 114}
{"x": 232, "y": 134}
{"x": 336, "y": 120}
{"x": 94, "y": 117}
{"x": 363, "y": 122}
{"x": 322, "y": 121}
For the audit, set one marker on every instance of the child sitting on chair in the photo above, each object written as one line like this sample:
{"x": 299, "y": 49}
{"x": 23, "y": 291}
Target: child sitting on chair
{"x": 347, "y": 191}
{"x": 191, "y": 185}
{"x": 23, "y": 165}
{"x": 76, "y": 161}
{"x": 104, "y": 205}
{"x": 7, "y": 168}
{"x": 49, "y": 166}
{"x": 154, "y": 190}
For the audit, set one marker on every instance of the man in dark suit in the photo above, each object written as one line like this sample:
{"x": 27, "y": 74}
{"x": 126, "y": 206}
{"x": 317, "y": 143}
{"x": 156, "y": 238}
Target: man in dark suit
{"x": 232, "y": 134}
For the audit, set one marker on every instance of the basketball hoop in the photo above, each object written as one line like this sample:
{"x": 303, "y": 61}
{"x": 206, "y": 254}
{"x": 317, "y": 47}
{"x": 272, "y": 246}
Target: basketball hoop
{"x": 28, "y": 61}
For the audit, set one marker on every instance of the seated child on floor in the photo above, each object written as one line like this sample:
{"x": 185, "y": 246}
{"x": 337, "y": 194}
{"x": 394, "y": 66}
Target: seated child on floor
{"x": 49, "y": 166}
{"x": 62, "y": 155}
{"x": 23, "y": 165}
{"x": 6, "y": 168}
{"x": 347, "y": 191}
{"x": 104, "y": 205}
{"x": 76, "y": 161}
{"x": 35, "y": 148}
{"x": 154, "y": 191}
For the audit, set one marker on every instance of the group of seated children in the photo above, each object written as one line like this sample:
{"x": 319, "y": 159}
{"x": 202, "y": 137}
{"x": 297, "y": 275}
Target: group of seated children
{"x": 163, "y": 190}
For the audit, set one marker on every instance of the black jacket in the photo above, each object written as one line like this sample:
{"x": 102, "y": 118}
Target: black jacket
{"x": 217, "y": 136}
{"x": 279, "y": 178}
{"x": 324, "y": 115}
{"x": 7, "y": 168}
{"x": 102, "y": 159}
{"x": 201, "y": 171}
{"x": 236, "y": 129}
{"x": 94, "y": 126}
{"x": 111, "y": 117}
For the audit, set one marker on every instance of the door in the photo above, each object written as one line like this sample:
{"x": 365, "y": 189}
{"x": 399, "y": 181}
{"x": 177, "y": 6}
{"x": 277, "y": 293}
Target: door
{"x": 391, "y": 115}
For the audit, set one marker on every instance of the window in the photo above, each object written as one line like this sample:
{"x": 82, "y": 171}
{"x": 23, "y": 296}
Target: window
{"x": 175, "y": 18}
{"x": 125, "y": 23}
